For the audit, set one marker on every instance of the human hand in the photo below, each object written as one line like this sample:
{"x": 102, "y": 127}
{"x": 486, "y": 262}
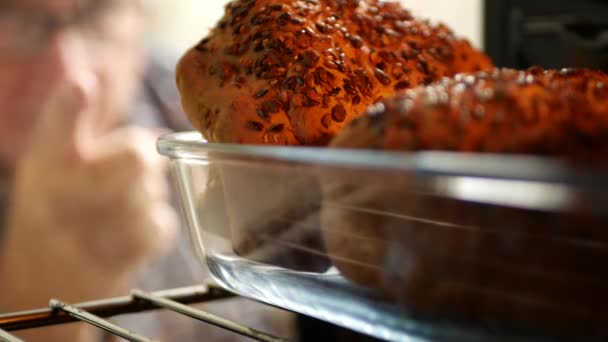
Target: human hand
{"x": 89, "y": 209}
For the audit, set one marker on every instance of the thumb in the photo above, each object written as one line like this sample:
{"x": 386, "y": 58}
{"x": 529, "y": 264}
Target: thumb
{"x": 57, "y": 130}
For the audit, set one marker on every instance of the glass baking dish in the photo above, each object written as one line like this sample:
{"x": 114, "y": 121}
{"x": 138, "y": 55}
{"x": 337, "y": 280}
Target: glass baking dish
{"x": 402, "y": 246}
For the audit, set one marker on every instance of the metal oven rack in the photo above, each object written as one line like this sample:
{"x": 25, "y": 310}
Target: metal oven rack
{"x": 94, "y": 312}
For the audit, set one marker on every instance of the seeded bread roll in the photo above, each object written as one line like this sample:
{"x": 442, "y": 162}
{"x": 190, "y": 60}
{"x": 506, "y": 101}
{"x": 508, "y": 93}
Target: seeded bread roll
{"x": 537, "y": 112}
{"x": 527, "y": 267}
{"x": 296, "y": 72}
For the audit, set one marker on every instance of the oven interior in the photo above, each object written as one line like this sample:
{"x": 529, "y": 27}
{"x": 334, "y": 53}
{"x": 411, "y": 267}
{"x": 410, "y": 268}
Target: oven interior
{"x": 547, "y": 33}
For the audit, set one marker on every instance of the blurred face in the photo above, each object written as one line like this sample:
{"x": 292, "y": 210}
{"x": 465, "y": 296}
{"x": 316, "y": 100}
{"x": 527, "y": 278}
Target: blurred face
{"x": 42, "y": 41}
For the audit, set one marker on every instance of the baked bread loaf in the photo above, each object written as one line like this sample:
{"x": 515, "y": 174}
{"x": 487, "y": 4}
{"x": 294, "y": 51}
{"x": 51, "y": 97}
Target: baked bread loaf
{"x": 296, "y": 72}
{"x": 394, "y": 233}
{"x": 537, "y": 112}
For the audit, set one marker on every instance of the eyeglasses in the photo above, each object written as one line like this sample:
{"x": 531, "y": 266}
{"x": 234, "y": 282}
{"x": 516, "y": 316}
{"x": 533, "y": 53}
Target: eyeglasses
{"x": 25, "y": 33}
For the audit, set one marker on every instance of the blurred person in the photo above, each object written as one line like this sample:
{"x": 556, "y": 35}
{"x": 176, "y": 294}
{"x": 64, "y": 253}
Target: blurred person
{"x": 84, "y": 199}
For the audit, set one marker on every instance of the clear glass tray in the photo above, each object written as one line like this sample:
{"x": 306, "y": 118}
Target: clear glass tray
{"x": 403, "y": 246}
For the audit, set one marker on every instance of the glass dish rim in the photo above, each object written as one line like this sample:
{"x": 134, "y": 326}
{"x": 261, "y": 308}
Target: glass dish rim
{"x": 191, "y": 145}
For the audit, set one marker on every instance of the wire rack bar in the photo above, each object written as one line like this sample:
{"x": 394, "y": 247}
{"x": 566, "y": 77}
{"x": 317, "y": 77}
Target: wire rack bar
{"x": 6, "y": 337}
{"x": 205, "y": 317}
{"x": 110, "y": 307}
{"x": 97, "y": 321}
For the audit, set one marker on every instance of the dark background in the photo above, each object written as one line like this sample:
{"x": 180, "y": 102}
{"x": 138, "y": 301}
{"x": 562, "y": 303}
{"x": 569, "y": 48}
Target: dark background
{"x": 547, "y": 33}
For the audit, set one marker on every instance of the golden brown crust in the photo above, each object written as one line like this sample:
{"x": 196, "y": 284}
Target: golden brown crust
{"x": 538, "y": 112}
{"x": 296, "y": 72}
